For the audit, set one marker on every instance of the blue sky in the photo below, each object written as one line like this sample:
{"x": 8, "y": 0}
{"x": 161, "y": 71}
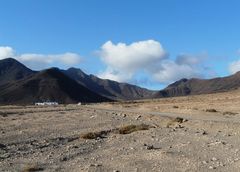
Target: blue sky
{"x": 203, "y": 32}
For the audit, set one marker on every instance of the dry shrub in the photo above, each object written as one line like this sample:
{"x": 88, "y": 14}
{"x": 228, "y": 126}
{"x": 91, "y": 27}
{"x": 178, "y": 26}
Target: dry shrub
{"x": 178, "y": 120}
{"x": 133, "y": 128}
{"x": 94, "y": 135}
{"x": 175, "y": 107}
{"x": 211, "y": 110}
{"x": 32, "y": 168}
{"x": 122, "y": 130}
{"x": 229, "y": 113}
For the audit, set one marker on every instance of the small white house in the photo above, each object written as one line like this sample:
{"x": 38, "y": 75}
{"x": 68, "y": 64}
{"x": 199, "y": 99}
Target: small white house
{"x": 46, "y": 103}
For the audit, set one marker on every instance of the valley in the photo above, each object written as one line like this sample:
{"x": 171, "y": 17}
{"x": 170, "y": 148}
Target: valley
{"x": 194, "y": 133}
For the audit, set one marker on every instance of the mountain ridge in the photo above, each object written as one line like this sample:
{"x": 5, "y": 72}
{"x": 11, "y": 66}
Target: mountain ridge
{"x": 195, "y": 86}
{"x": 108, "y": 88}
{"x": 21, "y": 85}
{"x": 47, "y": 85}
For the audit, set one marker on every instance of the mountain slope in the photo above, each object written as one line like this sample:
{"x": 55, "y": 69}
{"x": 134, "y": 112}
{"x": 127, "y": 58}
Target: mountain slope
{"x": 108, "y": 88}
{"x": 194, "y": 86}
{"x": 47, "y": 85}
{"x": 12, "y": 70}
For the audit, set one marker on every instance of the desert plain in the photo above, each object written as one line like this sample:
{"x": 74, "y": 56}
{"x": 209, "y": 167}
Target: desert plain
{"x": 193, "y": 133}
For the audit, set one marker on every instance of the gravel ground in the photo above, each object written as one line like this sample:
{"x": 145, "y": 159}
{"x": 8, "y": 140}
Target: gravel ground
{"x": 180, "y": 134}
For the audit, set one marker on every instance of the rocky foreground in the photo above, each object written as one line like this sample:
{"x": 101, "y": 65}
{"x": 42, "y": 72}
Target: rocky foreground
{"x": 181, "y": 134}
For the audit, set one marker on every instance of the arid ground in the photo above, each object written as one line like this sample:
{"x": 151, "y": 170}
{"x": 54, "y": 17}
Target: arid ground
{"x": 195, "y": 133}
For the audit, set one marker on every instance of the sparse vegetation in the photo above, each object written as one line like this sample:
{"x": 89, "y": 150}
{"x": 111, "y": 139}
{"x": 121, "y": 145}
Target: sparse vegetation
{"x": 121, "y": 130}
{"x": 133, "y": 128}
{"x": 94, "y": 135}
{"x": 211, "y": 110}
{"x": 178, "y": 120}
{"x": 229, "y": 113}
{"x": 32, "y": 168}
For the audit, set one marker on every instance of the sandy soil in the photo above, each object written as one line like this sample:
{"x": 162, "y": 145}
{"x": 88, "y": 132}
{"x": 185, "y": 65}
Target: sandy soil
{"x": 196, "y": 133}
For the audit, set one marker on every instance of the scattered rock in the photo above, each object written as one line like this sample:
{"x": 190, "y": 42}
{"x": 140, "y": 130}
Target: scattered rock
{"x": 204, "y": 133}
{"x": 138, "y": 117}
{"x": 2, "y": 146}
{"x": 214, "y": 159}
{"x": 150, "y": 147}
{"x": 211, "y": 167}
{"x": 95, "y": 165}
{"x": 205, "y": 162}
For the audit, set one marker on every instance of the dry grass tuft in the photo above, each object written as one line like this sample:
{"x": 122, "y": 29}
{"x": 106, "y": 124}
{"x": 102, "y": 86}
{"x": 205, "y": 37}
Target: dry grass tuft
{"x": 177, "y": 120}
{"x": 32, "y": 168}
{"x": 122, "y": 130}
{"x": 211, "y": 110}
{"x": 229, "y": 113}
{"x": 133, "y": 128}
{"x": 94, "y": 135}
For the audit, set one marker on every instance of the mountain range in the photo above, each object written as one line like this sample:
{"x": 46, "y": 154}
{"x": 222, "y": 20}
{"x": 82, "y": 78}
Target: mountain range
{"x": 21, "y": 85}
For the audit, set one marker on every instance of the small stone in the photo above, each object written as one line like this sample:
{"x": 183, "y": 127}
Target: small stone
{"x": 204, "y": 162}
{"x": 214, "y": 159}
{"x": 2, "y": 146}
{"x": 211, "y": 167}
{"x": 64, "y": 159}
{"x": 138, "y": 117}
{"x": 149, "y": 147}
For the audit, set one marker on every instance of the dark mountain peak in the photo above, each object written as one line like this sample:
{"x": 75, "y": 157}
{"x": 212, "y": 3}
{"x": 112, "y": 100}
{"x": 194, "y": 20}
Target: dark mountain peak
{"x": 10, "y": 59}
{"x": 75, "y": 72}
{"x": 74, "y": 69}
{"x": 12, "y": 70}
{"x": 50, "y": 72}
{"x": 50, "y": 84}
{"x": 179, "y": 82}
{"x": 8, "y": 62}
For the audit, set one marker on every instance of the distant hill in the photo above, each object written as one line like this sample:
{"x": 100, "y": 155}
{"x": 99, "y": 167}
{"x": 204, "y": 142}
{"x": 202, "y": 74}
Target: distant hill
{"x": 47, "y": 85}
{"x": 108, "y": 88}
{"x": 195, "y": 86}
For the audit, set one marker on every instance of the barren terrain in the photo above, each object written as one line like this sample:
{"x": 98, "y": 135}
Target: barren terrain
{"x": 195, "y": 133}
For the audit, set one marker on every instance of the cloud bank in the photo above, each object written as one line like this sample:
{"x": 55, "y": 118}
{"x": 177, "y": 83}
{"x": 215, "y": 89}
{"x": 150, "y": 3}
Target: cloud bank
{"x": 125, "y": 61}
{"x": 42, "y": 61}
{"x": 234, "y": 66}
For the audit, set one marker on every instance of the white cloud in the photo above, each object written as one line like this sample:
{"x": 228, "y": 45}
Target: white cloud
{"x": 6, "y": 52}
{"x": 42, "y": 61}
{"x": 125, "y": 61}
{"x": 234, "y": 67}
{"x": 171, "y": 71}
